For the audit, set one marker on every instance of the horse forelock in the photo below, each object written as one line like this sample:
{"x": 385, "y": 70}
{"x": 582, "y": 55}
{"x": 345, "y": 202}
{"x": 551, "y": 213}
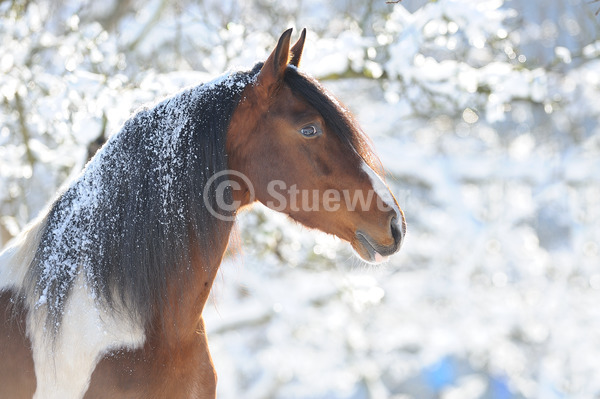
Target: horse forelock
{"x": 131, "y": 218}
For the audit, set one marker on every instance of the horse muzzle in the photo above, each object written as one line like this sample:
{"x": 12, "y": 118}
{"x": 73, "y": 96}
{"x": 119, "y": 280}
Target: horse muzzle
{"x": 372, "y": 251}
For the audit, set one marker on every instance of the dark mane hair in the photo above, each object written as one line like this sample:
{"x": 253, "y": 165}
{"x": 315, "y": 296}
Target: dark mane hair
{"x": 336, "y": 115}
{"x": 128, "y": 222}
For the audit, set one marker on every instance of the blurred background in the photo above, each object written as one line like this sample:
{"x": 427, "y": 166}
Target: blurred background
{"x": 485, "y": 116}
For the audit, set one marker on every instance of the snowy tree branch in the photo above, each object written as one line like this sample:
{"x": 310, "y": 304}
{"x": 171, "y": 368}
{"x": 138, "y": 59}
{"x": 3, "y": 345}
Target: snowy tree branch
{"x": 24, "y": 129}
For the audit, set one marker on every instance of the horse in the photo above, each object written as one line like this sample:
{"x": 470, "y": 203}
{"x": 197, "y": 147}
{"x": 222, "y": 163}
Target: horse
{"x": 102, "y": 295}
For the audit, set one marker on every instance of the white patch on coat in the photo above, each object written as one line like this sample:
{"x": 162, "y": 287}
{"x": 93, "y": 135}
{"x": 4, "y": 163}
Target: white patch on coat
{"x": 382, "y": 190}
{"x": 87, "y": 332}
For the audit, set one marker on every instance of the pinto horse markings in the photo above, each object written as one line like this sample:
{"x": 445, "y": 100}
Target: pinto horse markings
{"x": 102, "y": 295}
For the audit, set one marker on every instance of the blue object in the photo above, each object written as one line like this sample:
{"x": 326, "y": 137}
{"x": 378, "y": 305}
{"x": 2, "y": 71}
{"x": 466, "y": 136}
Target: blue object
{"x": 440, "y": 374}
{"x": 499, "y": 388}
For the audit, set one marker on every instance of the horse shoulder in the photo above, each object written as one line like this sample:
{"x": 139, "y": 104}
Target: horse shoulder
{"x": 87, "y": 332}
{"x": 157, "y": 371}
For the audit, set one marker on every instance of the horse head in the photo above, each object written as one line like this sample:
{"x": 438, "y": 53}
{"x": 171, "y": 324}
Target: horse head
{"x": 303, "y": 154}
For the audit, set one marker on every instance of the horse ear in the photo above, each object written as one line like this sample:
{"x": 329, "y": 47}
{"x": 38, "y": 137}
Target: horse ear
{"x": 274, "y": 67}
{"x": 297, "y": 49}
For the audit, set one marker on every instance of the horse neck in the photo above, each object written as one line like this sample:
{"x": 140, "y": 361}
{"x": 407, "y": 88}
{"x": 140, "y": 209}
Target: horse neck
{"x": 185, "y": 300}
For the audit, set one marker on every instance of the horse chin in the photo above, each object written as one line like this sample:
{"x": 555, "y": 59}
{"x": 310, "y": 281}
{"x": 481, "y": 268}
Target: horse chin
{"x": 365, "y": 250}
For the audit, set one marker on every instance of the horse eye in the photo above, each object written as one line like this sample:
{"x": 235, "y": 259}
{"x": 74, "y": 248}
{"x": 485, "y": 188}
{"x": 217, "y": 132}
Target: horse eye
{"x": 309, "y": 131}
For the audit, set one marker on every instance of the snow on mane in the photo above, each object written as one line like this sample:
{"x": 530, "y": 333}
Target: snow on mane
{"x": 130, "y": 215}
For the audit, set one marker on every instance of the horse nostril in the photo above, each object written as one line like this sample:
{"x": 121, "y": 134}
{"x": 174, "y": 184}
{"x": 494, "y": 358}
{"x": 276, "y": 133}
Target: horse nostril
{"x": 396, "y": 231}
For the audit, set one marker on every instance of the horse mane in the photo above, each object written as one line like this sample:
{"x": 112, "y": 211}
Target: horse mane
{"x": 136, "y": 215}
{"x": 131, "y": 220}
